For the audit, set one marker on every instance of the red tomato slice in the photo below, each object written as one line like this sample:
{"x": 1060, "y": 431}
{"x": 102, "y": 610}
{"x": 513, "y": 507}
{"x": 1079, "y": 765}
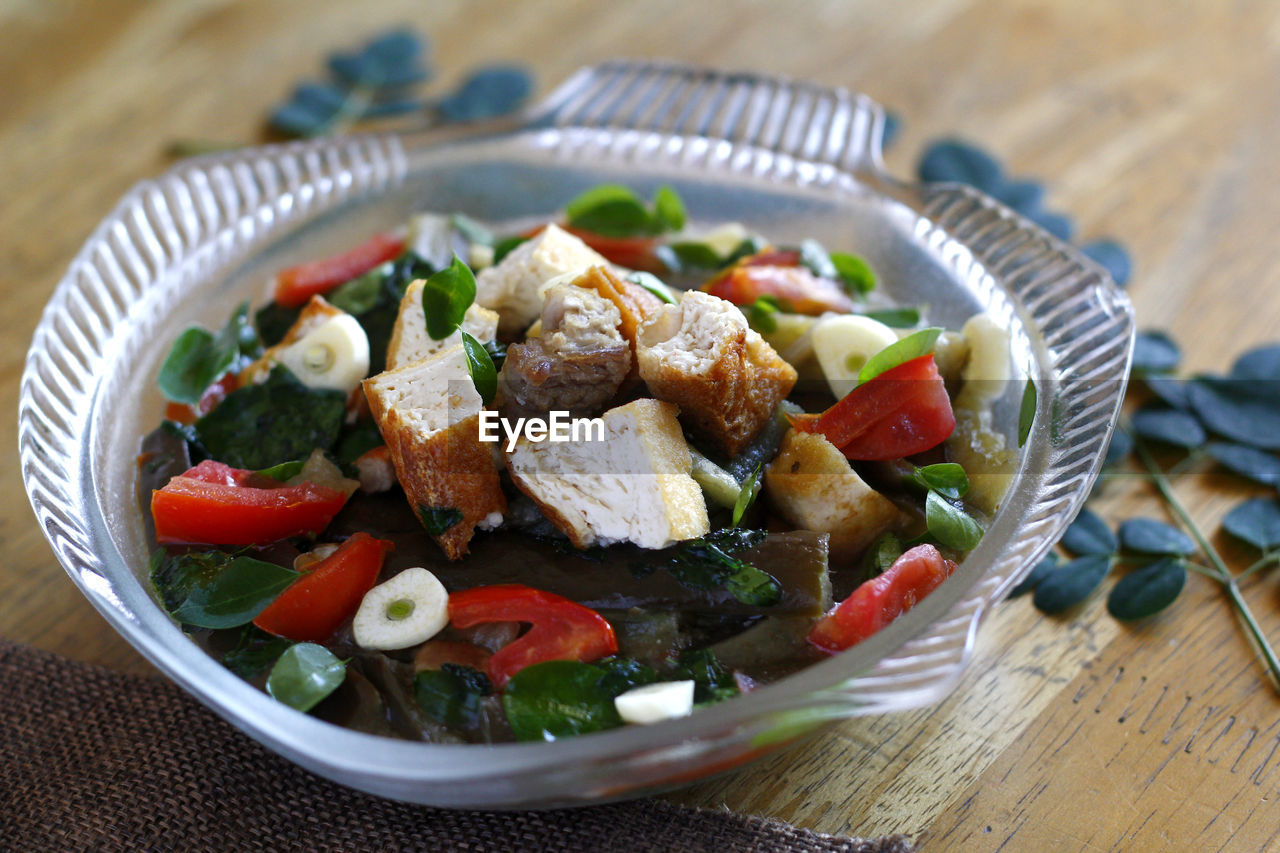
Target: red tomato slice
{"x": 316, "y": 605}
{"x": 903, "y": 411}
{"x": 562, "y": 629}
{"x": 295, "y": 285}
{"x": 215, "y": 504}
{"x": 778, "y": 274}
{"x": 882, "y": 599}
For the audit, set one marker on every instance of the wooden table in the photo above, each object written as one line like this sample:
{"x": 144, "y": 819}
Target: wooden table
{"x": 1158, "y": 128}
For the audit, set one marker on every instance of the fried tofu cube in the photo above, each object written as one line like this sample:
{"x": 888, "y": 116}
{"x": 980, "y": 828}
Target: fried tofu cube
{"x": 813, "y": 487}
{"x": 633, "y": 486}
{"x": 702, "y": 356}
{"x": 514, "y": 287}
{"x": 429, "y": 415}
{"x": 410, "y": 341}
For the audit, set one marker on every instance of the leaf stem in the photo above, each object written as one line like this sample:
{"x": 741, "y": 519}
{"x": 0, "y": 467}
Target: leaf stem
{"x": 1266, "y": 560}
{"x": 1220, "y": 567}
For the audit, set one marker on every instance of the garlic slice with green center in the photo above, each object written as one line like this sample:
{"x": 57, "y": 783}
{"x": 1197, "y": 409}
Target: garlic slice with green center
{"x": 843, "y": 343}
{"x": 409, "y": 609}
{"x": 334, "y": 356}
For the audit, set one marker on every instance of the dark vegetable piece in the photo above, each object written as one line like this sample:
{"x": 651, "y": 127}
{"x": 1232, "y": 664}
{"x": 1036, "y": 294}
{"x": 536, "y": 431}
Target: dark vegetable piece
{"x": 452, "y": 695}
{"x": 255, "y": 650}
{"x": 710, "y": 562}
{"x": 214, "y": 589}
{"x": 1147, "y": 590}
{"x": 712, "y": 681}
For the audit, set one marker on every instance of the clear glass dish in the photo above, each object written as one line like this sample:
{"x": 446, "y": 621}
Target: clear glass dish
{"x": 789, "y": 159}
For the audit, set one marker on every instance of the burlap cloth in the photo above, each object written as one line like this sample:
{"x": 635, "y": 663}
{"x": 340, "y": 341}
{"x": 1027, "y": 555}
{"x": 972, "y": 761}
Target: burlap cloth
{"x": 95, "y": 760}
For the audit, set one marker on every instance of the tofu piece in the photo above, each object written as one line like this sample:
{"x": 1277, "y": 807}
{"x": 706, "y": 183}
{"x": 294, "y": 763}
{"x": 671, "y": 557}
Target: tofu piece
{"x": 702, "y": 356}
{"x": 632, "y": 487}
{"x": 576, "y": 364}
{"x": 314, "y": 314}
{"x": 429, "y": 415}
{"x": 813, "y": 487}
{"x": 513, "y": 287}
{"x": 410, "y": 341}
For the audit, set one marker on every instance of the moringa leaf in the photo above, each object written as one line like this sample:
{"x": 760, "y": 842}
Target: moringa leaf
{"x": 1147, "y": 590}
{"x": 1168, "y": 426}
{"x": 1256, "y": 465}
{"x": 1155, "y": 352}
{"x": 1089, "y": 535}
{"x": 1111, "y": 256}
{"x": 949, "y": 524}
{"x": 1256, "y": 521}
{"x": 946, "y": 478}
{"x": 858, "y": 277}
{"x": 1037, "y": 574}
{"x": 1244, "y": 410}
{"x": 234, "y": 594}
{"x": 488, "y": 92}
{"x": 1067, "y": 585}
{"x": 446, "y": 296}
{"x": 1149, "y": 536}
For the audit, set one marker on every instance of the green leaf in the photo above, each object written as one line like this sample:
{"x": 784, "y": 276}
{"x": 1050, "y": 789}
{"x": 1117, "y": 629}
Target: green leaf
{"x": 374, "y": 299}
{"x": 859, "y": 278}
{"x": 1027, "y": 412}
{"x": 668, "y": 209}
{"x": 446, "y": 296}
{"x": 746, "y": 496}
{"x": 708, "y": 563}
{"x": 692, "y": 254}
{"x": 1244, "y": 410}
{"x": 1149, "y": 536}
{"x": 1155, "y": 352}
{"x": 912, "y": 346}
{"x": 1256, "y": 521}
{"x": 1038, "y": 573}
{"x": 610, "y": 210}
{"x": 254, "y": 652}
{"x": 950, "y": 525}
{"x": 497, "y": 353}
{"x": 558, "y": 699}
{"x": 453, "y": 695}
{"x": 356, "y": 440}
{"x": 198, "y": 357}
{"x": 883, "y": 553}
{"x": 259, "y": 426}
{"x": 233, "y": 595}
{"x": 480, "y": 366}
{"x": 1168, "y": 426}
{"x": 623, "y": 674}
{"x": 752, "y": 245}
{"x": 813, "y": 256}
{"x": 1147, "y": 590}
{"x": 712, "y": 682}
{"x": 946, "y": 478}
{"x": 438, "y": 519}
{"x": 896, "y": 318}
{"x": 654, "y": 285}
{"x": 284, "y": 470}
{"x": 1246, "y": 461}
{"x": 1089, "y": 535}
{"x": 503, "y": 247}
{"x": 1066, "y": 586}
{"x": 361, "y": 293}
{"x": 1261, "y": 363}
{"x": 305, "y": 674}
{"x": 760, "y": 314}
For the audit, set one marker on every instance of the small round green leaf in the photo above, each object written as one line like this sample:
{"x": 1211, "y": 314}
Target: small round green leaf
{"x": 1169, "y": 426}
{"x": 1155, "y": 352}
{"x": 1256, "y": 465}
{"x": 1244, "y": 410}
{"x": 1148, "y": 590}
{"x": 950, "y": 525}
{"x": 1066, "y": 586}
{"x": 1256, "y": 521}
{"x": 446, "y": 296}
{"x": 1262, "y": 363}
{"x": 858, "y": 277}
{"x": 558, "y": 699}
{"x": 1089, "y": 535}
{"x": 304, "y": 675}
{"x": 1149, "y": 536}
{"x": 946, "y": 478}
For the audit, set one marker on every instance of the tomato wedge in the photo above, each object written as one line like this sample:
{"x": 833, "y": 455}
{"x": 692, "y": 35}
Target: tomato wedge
{"x": 295, "y": 285}
{"x": 215, "y": 504}
{"x": 779, "y": 274}
{"x": 315, "y": 605}
{"x": 562, "y": 629}
{"x": 882, "y": 599}
{"x": 903, "y": 411}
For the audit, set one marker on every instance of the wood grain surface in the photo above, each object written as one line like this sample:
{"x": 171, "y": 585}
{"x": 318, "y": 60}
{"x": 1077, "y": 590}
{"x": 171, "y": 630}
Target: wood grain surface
{"x": 1153, "y": 122}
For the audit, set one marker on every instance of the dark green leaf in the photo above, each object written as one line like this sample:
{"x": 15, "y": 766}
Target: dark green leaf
{"x": 1244, "y": 410}
{"x": 446, "y": 296}
{"x": 858, "y": 278}
{"x": 488, "y": 93}
{"x": 760, "y": 314}
{"x": 1169, "y": 426}
{"x": 558, "y": 699}
{"x": 503, "y": 247}
{"x": 813, "y": 256}
{"x": 610, "y": 210}
{"x": 274, "y": 321}
{"x": 897, "y": 318}
{"x": 480, "y": 366}
{"x": 883, "y": 552}
{"x": 912, "y": 346}
{"x": 709, "y": 563}
{"x": 255, "y": 651}
{"x": 668, "y": 209}
{"x": 1026, "y": 197}
{"x": 1119, "y": 448}
{"x": 279, "y": 420}
{"x": 304, "y": 675}
{"x": 1148, "y": 590}
{"x": 746, "y": 496}
{"x": 1155, "y": 352}
{"x": 284, "y": 470}
{"x": 752, "y": 245}
{"x": 653, "y": 284}
{"x": 691, "y": 254}
{"x": 946, "y": 478}
{"x": 953, "y": 160}
{"x": 712, "y": 682}
{"x": 1089, "y": 535}
{"x": 234, "y": 594}
{"x": 623, "y": 674}
{"x": 1027, "y": 412}
{"x": 1038, "y": 573}
{"x": 199, "y": 357}
{"x": 1246, "y": 461}
{"x": 1256, "y": 521}
{"x": 1113, "y": 257}
{"x": 391, "y": 60}
{"x": 1148, "y": 536}
{"x": 1067, "y": 585}
{"x": 1057, "y": 224}
{"x": 438, "y": 519}
{"x": 949, "y": 524}
{"x": 453, "y": 695}
{"x": 1261, "y": 364}
{"x": 497, "y": 353}
{"x": 356, "y": 440}
{"x": 1174, "y": 392}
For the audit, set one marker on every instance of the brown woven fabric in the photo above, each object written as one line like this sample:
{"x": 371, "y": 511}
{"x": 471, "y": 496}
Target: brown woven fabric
{"x": 96, "y": 760}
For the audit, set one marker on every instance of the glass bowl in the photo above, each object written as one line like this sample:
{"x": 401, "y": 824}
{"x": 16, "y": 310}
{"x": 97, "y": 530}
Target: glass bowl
{"x": 789, "y": 159}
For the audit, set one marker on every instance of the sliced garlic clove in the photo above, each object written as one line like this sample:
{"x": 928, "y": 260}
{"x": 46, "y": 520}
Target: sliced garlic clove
{"x": 334, "y": 356}
{"x": 409, "y": 609}
{"x": 989, "y": 368}
{"x": 843, "y": 343}
{"x": 654, "y": 703}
